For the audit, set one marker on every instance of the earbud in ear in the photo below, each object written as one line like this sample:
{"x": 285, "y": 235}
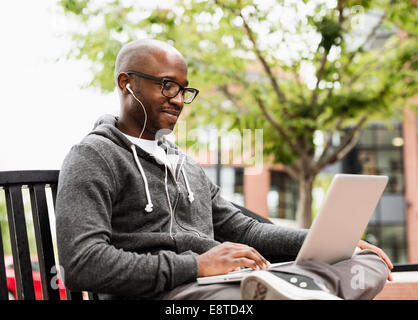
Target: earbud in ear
{"x": 128, "y": 87}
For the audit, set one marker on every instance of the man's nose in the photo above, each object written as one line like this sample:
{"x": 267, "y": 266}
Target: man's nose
{"x": 178, "y": 99}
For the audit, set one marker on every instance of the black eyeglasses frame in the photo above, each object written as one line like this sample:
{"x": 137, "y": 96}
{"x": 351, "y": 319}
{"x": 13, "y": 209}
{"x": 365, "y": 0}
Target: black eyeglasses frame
{"x": 163, "y": 82}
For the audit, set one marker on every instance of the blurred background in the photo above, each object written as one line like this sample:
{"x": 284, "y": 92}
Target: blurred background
{"x": 332, "y": 84}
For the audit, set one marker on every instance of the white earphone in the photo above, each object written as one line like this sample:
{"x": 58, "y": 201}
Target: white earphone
{"x": 128, "y": 87}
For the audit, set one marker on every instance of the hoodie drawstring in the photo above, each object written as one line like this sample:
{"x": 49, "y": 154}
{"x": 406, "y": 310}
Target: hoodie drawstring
{"x": 169, "y": 203}
{"x": 189, "y": 191}
{"x": 148, "y": 207}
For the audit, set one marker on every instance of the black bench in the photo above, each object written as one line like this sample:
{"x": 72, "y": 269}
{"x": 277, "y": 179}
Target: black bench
{"x": 12, "y": 183}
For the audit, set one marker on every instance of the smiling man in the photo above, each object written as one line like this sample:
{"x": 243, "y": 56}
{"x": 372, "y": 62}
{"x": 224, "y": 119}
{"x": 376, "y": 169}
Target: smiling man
{"x": 137, "y": 218}
{"x": 156, "y": 72}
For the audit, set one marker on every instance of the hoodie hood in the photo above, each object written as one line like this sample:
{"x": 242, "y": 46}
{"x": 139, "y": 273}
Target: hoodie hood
{"x": 106, "y": 126}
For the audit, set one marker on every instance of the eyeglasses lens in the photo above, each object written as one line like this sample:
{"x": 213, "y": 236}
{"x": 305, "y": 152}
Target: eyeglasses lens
{"x": 171, "y": 89}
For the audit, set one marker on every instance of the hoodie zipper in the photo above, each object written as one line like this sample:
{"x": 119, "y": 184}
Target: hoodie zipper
{"x": 172, "y": 210}
{"x": 176, "y": 201}
{"x": 148, "y": 208}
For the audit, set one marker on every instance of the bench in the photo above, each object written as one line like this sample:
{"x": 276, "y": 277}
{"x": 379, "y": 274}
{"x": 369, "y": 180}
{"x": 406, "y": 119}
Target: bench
{"x": 12, "y": 182}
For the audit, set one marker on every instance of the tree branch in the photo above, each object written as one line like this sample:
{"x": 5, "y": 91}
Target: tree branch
{"x": 341, "y": 150}
{"x": 319, "y": 74}
{"x": 349, "y": 146}
{"x": 280, "y": 95}
{"x": 300, "y": 86}
{"x": 328, "y": 142}
{"x": 283, "y": 134}
{"x": 228, "y": 94}
{"x": 340, "y": 8}
{"x": 292, "y": 171}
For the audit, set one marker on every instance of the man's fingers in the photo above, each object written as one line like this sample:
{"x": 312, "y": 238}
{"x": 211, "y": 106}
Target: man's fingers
{"x": 365, "y": 245}
{"x": 252, "y": 254}
{"x": 383, "y": 255}
{"x": 230, "y": 256}
{"x": 390, "y": 277}
{"x": 386, "y": 259}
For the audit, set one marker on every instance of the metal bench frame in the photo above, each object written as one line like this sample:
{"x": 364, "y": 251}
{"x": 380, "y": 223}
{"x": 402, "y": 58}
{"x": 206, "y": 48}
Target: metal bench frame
{"x": 36, "y": 181}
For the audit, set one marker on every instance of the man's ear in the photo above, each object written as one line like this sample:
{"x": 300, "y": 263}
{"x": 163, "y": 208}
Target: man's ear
{"x": 123, "y": 80}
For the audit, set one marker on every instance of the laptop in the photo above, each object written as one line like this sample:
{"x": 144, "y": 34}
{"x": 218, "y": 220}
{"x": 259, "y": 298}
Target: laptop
{"x": 337, "y": 228}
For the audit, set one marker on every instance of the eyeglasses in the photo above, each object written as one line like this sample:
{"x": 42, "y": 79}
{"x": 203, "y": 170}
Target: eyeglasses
{"x": 170, "y": 88}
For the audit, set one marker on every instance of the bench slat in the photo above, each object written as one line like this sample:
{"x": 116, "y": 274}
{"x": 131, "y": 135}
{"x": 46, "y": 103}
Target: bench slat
{"x": 4, "y": 294}
{"x": 43, "y": 241}
{"x": 28, "y": 177}
{"x": 19, "y": 241}
{"x": 54, "y": 194}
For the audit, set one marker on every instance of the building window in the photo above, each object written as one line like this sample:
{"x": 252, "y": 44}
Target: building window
{"x": 283, "y": 196}
{"x": 231, "y": 182}
{"x": 380, "y": 152}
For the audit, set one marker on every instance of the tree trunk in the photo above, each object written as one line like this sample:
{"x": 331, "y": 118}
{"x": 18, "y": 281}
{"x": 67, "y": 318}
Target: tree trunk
{"x": 304, "y": 210}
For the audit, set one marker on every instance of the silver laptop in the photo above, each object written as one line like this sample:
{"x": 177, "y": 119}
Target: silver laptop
{"x": 339, "y": 225}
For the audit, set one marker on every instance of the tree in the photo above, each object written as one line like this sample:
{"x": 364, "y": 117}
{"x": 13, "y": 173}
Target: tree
{"x": 318, "y": 67}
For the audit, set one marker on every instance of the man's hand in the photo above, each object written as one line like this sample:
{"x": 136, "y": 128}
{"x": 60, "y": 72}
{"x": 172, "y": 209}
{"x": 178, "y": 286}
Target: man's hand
{"x": 229, "y": 256}
{"x": 365, "y": 245}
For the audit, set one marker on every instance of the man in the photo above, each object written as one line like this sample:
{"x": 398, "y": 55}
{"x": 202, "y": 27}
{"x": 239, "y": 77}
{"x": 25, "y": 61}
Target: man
{"x": 137, "y": 218}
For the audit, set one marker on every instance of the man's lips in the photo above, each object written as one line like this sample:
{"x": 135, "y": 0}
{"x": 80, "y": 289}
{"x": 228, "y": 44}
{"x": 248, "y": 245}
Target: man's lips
{"x": 171, "y": 113}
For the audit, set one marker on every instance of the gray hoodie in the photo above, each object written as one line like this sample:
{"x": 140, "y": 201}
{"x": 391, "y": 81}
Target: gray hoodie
{"x": 130, "y": 226}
